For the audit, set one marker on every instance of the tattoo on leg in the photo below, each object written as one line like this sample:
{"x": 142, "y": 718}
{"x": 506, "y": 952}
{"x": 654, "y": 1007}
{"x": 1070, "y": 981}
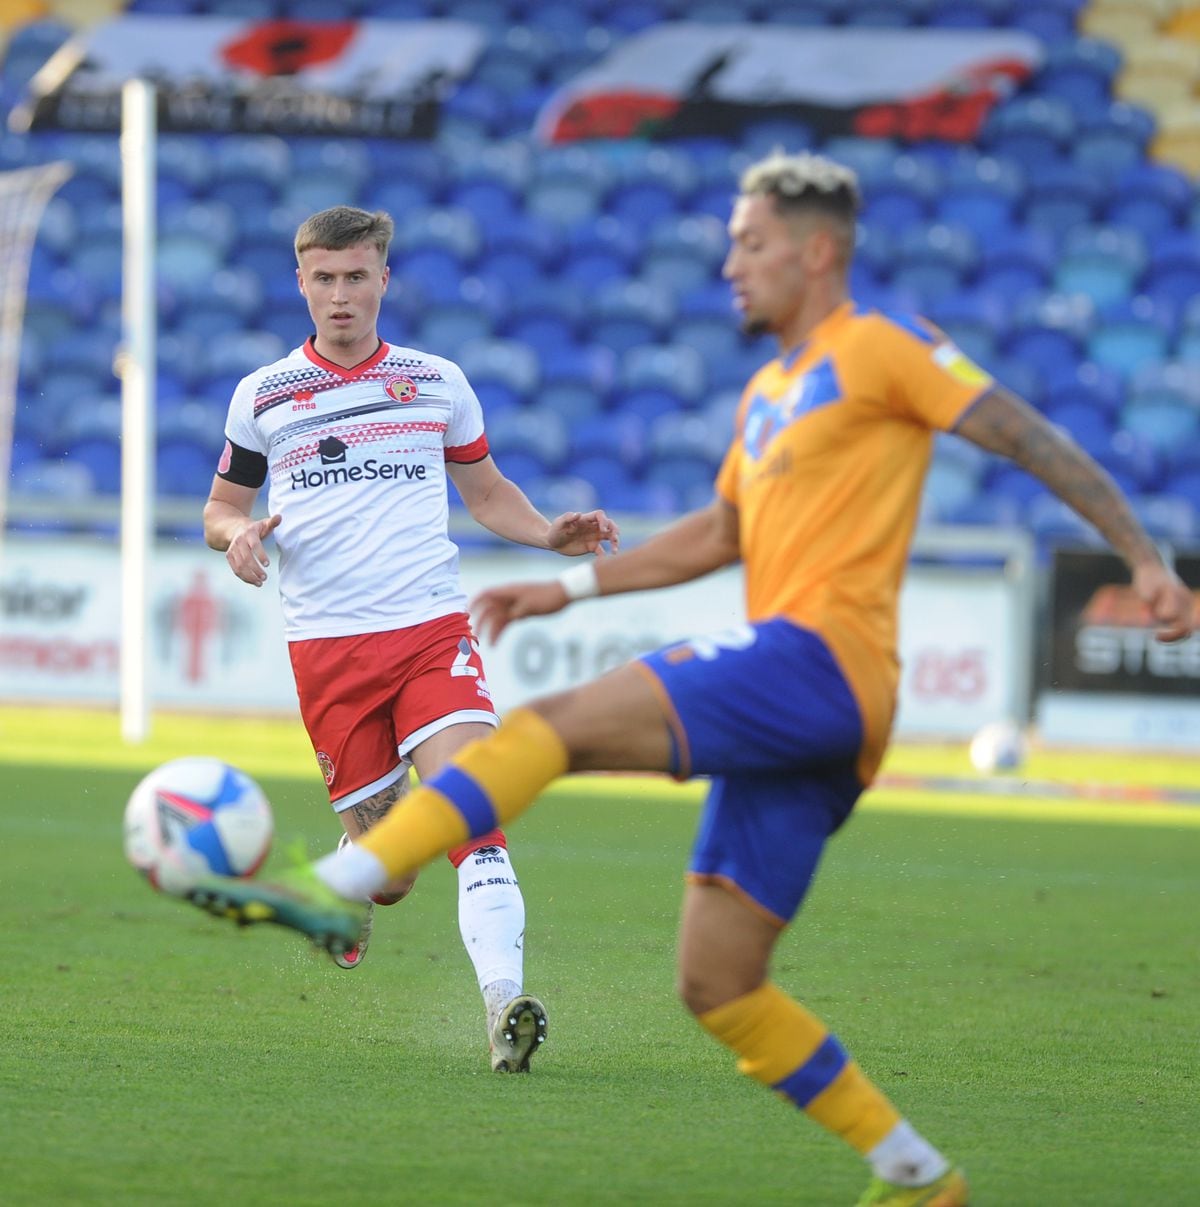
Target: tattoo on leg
{"x": 368, "y": 812}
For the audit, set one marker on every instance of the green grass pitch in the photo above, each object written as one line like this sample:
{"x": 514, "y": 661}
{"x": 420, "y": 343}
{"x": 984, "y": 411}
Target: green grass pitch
{"x": 1021, "y": 975}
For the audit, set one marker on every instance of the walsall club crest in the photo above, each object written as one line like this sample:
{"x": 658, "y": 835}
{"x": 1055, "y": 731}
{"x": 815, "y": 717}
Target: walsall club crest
{"x": 326, "y": 765}
{"x": 402, "y": 389}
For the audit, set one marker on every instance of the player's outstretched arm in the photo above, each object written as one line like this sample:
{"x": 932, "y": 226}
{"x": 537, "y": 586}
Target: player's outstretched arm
{"x": 229, "y": 527}
{"x": 1003, "y": 423}
{"x": 695, "y": 545}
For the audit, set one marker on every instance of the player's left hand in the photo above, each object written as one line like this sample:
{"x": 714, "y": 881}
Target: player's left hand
{"x": 577, "y": 532}
{"x": 1172, "y": 604}
{"x": 496, "y": 608}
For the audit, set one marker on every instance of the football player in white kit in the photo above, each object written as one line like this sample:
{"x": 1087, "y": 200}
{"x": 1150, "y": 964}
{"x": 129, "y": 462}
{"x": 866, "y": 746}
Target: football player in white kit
{"x": 357, "y": 438}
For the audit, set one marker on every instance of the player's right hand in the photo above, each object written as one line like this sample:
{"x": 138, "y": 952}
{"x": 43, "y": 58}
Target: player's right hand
{"x": 497, "y": 607}
{"x": 246, "y": 556}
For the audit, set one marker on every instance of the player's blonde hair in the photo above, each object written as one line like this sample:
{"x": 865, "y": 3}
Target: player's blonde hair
{"x": 343, "y": 226}
{"x": 807, "y": 183}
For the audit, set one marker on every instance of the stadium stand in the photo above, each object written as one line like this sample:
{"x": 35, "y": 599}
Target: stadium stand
{"x": 580, "y": 284}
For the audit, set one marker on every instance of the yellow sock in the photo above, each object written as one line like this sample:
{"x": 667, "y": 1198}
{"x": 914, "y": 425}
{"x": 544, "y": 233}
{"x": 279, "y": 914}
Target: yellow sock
{"x": 486, "y": 784}
{"x": 785, "y": 1047}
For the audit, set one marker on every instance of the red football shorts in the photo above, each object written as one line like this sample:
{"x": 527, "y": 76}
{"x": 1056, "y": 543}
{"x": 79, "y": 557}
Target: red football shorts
{"x": 368, "y": 700}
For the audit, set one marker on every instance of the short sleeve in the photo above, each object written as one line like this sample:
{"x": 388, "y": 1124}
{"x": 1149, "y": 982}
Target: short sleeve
{"x": 927, "y": 375}
{"x": 465, "y": 440}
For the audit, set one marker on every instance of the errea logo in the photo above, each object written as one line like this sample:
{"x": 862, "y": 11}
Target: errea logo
{"x": 302, "y": 400}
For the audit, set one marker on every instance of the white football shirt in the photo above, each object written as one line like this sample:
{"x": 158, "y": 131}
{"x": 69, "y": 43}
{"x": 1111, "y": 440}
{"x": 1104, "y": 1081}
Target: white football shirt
{"x": 356, "y": 461}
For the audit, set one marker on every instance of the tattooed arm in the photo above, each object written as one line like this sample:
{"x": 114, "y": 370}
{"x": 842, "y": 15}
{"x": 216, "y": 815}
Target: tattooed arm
{"x": 1000, "y": 422}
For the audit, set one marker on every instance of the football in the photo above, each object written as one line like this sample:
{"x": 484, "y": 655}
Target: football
{"x": 998, "y": 746}
{"x": 194, "y": 816}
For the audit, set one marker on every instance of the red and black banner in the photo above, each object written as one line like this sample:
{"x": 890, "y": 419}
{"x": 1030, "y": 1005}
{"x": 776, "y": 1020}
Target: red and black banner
{"x": 679, "y": 78}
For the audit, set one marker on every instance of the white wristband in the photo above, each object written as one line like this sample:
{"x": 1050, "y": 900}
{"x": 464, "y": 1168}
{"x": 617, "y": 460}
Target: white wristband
{"x": 580, "y": 582}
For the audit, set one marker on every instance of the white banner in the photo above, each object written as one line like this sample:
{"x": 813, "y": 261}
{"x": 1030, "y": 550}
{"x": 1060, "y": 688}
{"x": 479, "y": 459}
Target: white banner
{"x": 216, "y": 643}
{"x": 218, "y": 74}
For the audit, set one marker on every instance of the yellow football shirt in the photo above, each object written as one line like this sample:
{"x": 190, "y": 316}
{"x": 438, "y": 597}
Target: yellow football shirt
{"x": 826, "y": 470}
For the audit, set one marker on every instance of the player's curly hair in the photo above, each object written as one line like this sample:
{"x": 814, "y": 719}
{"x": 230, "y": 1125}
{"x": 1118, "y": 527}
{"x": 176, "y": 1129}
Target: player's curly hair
{"x": 804, "y": 181}
{"x": 808, "y": 184}
{"x": 343, "y": 226}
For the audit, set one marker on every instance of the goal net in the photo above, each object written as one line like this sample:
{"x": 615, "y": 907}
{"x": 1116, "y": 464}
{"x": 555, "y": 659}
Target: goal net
{"x": 23, "y": 196}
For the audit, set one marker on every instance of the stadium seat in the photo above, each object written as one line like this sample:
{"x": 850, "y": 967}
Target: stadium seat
{"x": 675, "y": 368}
{"x": 1089, "y": 426}
{"x": 1129, "y": 335}
{"x": 49, "y": 477}
{"x": 1061, "y": 198}
{"x": 973, "y": 320}
{"x": 1049, "y": 331}
{"x": 183, "y": 468}
{"x": 1173, "y": 276}
{"x": 1031, "y": 130}
{"x": 682, "y": 434}
{"x": 1111, "y": 140}
{"x": 1015, "y": 264}
{"x": 533, "y": 430}
{"x": 1151, "y": 198}
{"x": 447, "y": 328}
{"x": 510, "y": 363}
{"x": 1103, "y": 263}
{"x": 980, "y": 193}
{"x": 1079, "y": 71}
{"x": 931, "y": 261}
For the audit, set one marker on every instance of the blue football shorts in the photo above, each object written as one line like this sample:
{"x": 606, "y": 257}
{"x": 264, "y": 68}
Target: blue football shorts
{"x": 764, "y": 710}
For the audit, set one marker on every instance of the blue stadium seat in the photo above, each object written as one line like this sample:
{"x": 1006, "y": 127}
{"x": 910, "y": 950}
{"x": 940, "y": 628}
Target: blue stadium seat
{"x": 1090, "y": 426}
{"x": 533, "y": 430}
{"x": 245, "y": 195}
{"x": 609, "y": 476}
{"x": 641, "y": 202}
{"x": 572, "y": 400}
{"x": 620, "y": 436}
{"x": 102, "y": 457}
{"x": 49, "y": 477}
{"x": 675, "y": 368}
{"x": 973, "y": 320}
{"x": 1111, "y": 139}
{"x": 448, "y": 327}
{"x": 903, "y": 195}
{"x": 1105, "y": 263}
{"x": 184, "y": 468}
{"x": 980, "y": 193}
{"x": 553, "y": 494}
{"x": 1168, "y": 517}
{"x": 690, "y": 478}
{"x": 450, "y": 230}
{"x": 1152, "y": 198}
{"x": 651, "y": 305}
{"x": 1032, "y": 130}
{"x": 506, "y": 361}
{"x": 932, "y": 261}
{"x": 262, "y": 156}
{"x": 1050, "y": 331}
{"x": 1061, "y": 198}
{"x": 1173, "y": 276}
{"x": 683, "y": 434}
{"x": 1084, "y": 384}
{"x": 1129, "y": 335}
{"x": 1079, "y": 71}
{"x": 1015, "y": 264}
